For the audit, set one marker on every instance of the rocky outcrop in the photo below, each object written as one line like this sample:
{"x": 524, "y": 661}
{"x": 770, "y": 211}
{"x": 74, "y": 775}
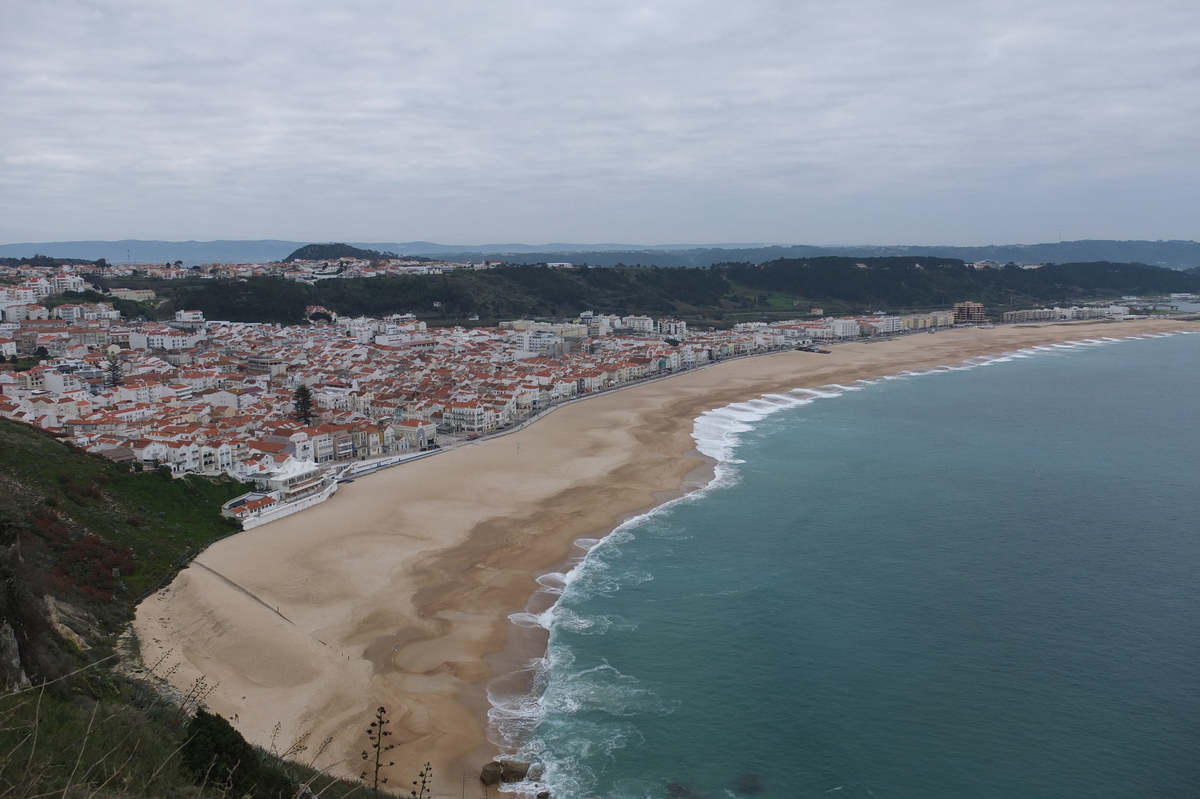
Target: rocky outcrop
{"x": 514, "y": 771}
{"x": 12, "y": 673}
{"x": 63, "y": 617}
{"x": 490, "y": 775}
{"x": 503, "y": 771}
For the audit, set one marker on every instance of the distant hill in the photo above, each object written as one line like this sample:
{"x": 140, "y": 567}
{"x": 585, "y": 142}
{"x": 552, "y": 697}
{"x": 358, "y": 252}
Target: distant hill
{"x": 1171, "y": 254}
{"x": 272, "y": 250}
{"x": 46, "y": 260}
{"x": 325, "y": 252}
{"x": 158, "y": 252}
{"x": 644, "y": 256}
{"x": 430, "y": 248}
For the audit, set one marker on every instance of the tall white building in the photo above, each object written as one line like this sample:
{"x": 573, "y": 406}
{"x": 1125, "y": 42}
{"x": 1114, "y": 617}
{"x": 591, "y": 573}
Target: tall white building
{"x": 640, "y": 324}
{"x": 673, "y": 327}
{"x": 843, "y": 328}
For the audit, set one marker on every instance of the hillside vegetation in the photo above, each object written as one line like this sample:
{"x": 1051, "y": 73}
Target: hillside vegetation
{"x": 82, "y": 539}
{"x": 895, "y": 282}
{"x": 93, "y": 536}
{"x": 724, "y": 292}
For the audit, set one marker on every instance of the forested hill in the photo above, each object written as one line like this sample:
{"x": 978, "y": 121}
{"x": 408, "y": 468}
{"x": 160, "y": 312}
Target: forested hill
{"x": 725, "y": 291}
{"x": 897, "y": 282}
{"x": 506, "y": 292}
{"x": 326, "y": 252}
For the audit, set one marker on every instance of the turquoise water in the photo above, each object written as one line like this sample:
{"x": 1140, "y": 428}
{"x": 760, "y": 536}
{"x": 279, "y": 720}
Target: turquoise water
{"x": 981, "y": 582}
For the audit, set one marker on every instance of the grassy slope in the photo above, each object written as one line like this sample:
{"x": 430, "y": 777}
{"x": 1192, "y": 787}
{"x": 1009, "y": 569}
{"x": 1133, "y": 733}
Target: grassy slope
{"x": 67, "y": 521}
{"x": 132, "y": 744}
{"x": 79, "y": 516}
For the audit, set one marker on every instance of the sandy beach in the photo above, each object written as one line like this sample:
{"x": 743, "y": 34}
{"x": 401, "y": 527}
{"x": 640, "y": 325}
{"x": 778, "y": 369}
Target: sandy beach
{"x": 397, "y": 591}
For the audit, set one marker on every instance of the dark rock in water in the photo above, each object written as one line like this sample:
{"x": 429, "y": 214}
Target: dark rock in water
{"x": 749, "y": 783}
{"x": 491, "y": 773}
{"x": 543, "y": 795}
{"x": 513, "y": 770}
{"x": 675, "y": 789}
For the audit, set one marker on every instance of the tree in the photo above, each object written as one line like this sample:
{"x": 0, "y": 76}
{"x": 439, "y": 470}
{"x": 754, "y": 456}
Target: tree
{"x": 41, "y": 353}
{"x": 115, "y": 375}
{"x": 302, "y": 405}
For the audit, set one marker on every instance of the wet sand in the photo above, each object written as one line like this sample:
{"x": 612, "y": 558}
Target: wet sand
{"x": 396, "y": 592}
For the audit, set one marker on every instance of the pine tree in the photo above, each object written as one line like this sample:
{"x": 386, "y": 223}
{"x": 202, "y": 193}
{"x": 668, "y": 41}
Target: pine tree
{"x": 115, "y": 375}
{"x": 302, "y": 405}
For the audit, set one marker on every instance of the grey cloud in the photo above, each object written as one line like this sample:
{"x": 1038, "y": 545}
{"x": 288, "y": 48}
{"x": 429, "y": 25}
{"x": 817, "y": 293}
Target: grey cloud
{"x": 691, "y": 120}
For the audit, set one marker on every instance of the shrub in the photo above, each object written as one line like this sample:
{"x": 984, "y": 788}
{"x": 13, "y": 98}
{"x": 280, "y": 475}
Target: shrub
{"x": 217, "y": 754}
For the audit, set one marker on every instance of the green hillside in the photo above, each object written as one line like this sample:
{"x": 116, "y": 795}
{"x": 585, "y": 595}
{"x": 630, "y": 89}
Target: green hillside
{"x": 82, "y": 539}
{"x": 895, "y": 282}
{"x": 724, "y": 292}
{"x": 94, "y": 535}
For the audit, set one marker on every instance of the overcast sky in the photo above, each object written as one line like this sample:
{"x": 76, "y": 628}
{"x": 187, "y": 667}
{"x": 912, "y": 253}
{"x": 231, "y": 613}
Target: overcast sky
{"x": 697, "y": 121}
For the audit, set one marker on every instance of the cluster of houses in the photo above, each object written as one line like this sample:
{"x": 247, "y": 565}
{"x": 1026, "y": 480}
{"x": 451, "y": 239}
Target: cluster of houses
{"x": 24, "y": 288}
{"x": 220, "y": 397}
{"x": 303, "y": 271}
{"x": 210, "y": 397}
{"x": 313, "y": 271}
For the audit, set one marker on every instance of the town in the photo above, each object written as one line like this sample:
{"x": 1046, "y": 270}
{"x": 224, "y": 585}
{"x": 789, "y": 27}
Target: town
{"x": 295, "y": 409}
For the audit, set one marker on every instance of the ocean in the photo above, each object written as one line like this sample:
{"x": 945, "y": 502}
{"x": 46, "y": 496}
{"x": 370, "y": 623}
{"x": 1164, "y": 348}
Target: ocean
{"x": 979, "y": 581}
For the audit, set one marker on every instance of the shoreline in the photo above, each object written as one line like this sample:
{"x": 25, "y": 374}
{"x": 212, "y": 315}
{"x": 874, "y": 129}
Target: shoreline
{"x": 514, "y": 667}
{"x": 397, "y": 590}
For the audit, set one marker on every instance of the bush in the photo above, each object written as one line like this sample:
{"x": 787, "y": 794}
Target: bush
{"x": 217, "y": 754}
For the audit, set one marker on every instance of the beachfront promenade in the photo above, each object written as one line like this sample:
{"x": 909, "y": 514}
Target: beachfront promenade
{"x": 448, "y": 440}
{"x": 255, "y": 509}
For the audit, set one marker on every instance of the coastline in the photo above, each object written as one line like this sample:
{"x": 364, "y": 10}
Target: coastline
{"x": 397, "y": 591}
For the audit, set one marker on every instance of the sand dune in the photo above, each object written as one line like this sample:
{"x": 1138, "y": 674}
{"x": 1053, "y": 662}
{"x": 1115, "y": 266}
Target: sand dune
{"x": 396, "y": 591}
